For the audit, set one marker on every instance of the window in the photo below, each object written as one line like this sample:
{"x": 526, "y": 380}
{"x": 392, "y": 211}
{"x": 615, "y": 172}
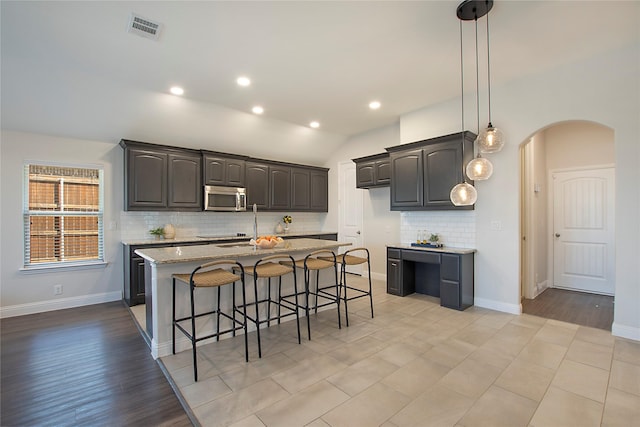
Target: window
{"x": 63, "y": 210}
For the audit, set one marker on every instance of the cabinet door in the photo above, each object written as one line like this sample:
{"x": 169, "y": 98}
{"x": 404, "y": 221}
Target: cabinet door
{"x": 407, "y": 179}
{"x": 280, "y": 187}
{"x": 146, "y": 179}
{"x": 450, "y": 281}
{"x": 365, "y": 174}
{"x": 185, "y": 190}
{"x": 383, "y": 172}
{"x": 137, "y": 280}
{"x": 257, "y": 185}
{"x": 214, "y": 170}
{"x": 235, "y": 173}
{"x": 319, "y": 191}
{"x": 300, "y": 189}
{"x": 443, "y": 165}
{"x": 394, "y": 279}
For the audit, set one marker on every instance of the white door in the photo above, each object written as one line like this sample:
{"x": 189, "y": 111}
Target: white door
{"x": 583, "y": 227}
{"x": 350, "y": 210}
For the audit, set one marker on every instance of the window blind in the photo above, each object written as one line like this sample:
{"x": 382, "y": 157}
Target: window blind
{"x": 63, "y": 215}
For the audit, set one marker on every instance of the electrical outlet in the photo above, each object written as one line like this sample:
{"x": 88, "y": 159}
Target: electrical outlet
{"x": 57, "y": 289}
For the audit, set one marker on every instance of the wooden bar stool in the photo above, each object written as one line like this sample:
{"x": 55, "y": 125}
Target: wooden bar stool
{"x": 345, "y": 259}
{"x": 315, "y": 262}
{"x": 268, "y": 268}
{"x": 207, "y": 276}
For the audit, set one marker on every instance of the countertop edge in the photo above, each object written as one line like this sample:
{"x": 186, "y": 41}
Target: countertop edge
{"x": 460, "y": 251}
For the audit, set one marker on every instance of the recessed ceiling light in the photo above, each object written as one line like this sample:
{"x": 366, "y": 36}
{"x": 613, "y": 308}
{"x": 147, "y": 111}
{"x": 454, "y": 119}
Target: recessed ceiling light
{"x": 374, "y": 105}
{"x": 314, "y": 125}
{"x": 176, "y": 90}
{"x": 243, "y": 81}
{"x": 257, "y": 110}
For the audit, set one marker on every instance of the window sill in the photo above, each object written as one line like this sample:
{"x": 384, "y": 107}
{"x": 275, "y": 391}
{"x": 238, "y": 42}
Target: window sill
{"x": 68, "y": 266}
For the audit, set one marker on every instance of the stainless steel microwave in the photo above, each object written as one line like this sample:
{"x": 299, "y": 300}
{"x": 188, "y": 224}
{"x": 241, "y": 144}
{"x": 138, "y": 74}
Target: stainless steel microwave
{"x": 225, "y": 199}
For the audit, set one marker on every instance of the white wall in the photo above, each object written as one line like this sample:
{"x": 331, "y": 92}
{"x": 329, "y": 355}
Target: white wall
{"x": 602, "y": 90}
{"x": 25, "y": 292}
{"x": 578, "y": 144}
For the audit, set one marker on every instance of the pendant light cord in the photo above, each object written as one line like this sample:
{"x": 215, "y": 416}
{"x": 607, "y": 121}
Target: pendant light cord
{"x": 488, "y": 73}
{"x": 462, "y": 81}
{"x": 477, "y": 82}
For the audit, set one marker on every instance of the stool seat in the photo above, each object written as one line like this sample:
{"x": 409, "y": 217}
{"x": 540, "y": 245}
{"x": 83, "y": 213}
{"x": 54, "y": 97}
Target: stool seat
{"x": 312, "y": 263}
{"x": 269, "y": 269}
{"x": 347, "y": 259}
{"x": 209, "y": 279}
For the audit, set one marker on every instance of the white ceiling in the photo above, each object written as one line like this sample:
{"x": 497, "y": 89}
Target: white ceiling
{"x": 308, "y": 60}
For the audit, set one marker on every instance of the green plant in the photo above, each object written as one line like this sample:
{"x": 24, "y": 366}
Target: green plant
{"x": 287, "y": 219}
{"x": 157, "y": 231}
{"x": 434, "y": 238}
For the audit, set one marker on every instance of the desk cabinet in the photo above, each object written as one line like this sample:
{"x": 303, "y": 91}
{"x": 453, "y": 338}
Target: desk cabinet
{"x": 448, "y": 276}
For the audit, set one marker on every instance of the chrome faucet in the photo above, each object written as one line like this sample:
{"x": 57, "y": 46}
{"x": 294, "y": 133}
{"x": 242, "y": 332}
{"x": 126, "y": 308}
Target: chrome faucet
{"x": 255, "y": 222}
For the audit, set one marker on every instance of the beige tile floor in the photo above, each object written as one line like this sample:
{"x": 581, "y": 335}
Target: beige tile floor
{"x": 416, "y": 364}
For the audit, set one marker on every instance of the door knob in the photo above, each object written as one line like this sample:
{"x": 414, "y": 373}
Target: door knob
{"x": 557, "y": 234}
{"x": 358, "y": 232}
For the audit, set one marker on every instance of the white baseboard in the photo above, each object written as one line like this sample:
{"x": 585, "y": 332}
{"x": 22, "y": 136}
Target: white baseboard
{"x": 625, "y": 331}
{"x": 541, "y": 287}
{"x": 498, "y": 306}
{"x": 58, "y": 304}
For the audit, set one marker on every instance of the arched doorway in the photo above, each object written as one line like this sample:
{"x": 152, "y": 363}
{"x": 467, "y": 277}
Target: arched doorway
{"x": 567, "y": 229}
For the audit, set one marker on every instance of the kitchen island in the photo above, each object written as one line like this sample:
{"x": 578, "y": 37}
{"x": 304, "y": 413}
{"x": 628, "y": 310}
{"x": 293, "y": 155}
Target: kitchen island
{"x": 162, "y": 263}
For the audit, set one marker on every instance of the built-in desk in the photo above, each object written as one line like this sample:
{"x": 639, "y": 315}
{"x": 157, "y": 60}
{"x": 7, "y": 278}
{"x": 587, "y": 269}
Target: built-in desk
{"x": 446, "y": 273}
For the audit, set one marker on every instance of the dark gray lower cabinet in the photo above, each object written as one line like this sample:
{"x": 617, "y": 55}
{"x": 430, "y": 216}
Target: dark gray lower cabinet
{"x": 448, "y": 276}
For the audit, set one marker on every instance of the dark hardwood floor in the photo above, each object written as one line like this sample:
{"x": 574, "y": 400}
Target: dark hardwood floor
{"x": 82, "y": 366}
{"x": 584, "y": 309}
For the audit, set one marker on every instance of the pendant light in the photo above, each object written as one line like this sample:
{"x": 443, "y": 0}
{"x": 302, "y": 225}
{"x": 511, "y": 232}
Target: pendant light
{"x": 490, "y": 139}
{"x": 479, "y": 168}
{"x": 463, "y": 194}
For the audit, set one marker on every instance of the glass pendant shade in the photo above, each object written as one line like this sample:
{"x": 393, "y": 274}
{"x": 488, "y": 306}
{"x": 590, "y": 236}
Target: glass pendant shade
{"x": 463, "y": 194}
{"x": 479, "y": 169}
{"x": 490, "y": 140}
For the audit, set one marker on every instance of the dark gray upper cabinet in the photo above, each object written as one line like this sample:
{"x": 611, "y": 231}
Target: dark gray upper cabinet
{"x": 257, "y": 180}
{"x": 319, "y": 200}
{"x": 161, "y": 178}
{"x": 373, "y": 171}
{"x": 424, "y": 172}
{"x": 185, "y": 190}
{"x": 222, "y": 169}
{"x": 285, "y": 187}
{"x": 300, "y": 186}
{"x": 280, "y": 187}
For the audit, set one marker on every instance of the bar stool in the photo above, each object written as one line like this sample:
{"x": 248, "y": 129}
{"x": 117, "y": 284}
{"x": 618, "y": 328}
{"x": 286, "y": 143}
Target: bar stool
{"x": 344, "y": 260}
{"x": 268, "y": 268}
{"x": 206, "y": 276}
{"x": 315, "y": 262}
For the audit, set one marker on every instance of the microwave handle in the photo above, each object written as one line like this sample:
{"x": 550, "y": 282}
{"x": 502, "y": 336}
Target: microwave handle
{"x": 238, "y": 201}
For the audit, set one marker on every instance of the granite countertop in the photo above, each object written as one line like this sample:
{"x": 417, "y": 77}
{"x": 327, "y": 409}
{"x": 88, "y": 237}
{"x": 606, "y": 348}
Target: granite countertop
{"x": 444, "y": 249}
{"x": 210, "y": 252}
{"x": 205, "y": 238}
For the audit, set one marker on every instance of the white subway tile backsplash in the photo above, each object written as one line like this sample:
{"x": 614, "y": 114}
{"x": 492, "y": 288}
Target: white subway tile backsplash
{"x": 456, "y": 229}
{"x": 136, "y": 225}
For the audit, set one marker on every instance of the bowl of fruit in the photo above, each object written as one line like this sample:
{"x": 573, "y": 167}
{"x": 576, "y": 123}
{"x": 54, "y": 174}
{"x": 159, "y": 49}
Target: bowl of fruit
{"x": 266, "y": 242}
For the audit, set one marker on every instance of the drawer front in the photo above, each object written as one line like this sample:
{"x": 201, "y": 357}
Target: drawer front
{"x": 450, "y": 294}
{"x": 450, "y": 267}
{"x": 421, "y": 256}
{"x": 393, "y": 253}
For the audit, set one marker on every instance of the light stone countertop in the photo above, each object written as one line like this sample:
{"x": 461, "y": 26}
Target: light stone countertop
{"x": 444, "y": 249}
{"x": 211, "y": 252}
{"x": 212, "y": 238}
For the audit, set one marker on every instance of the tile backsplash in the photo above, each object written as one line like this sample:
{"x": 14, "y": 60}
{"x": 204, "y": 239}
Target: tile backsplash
{"x": 457, "y": 229}
{"x": 136, "y": 225}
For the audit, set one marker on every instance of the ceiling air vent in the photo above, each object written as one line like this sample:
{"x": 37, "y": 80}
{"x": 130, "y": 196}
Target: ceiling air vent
{"x": 144, "y": 27}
